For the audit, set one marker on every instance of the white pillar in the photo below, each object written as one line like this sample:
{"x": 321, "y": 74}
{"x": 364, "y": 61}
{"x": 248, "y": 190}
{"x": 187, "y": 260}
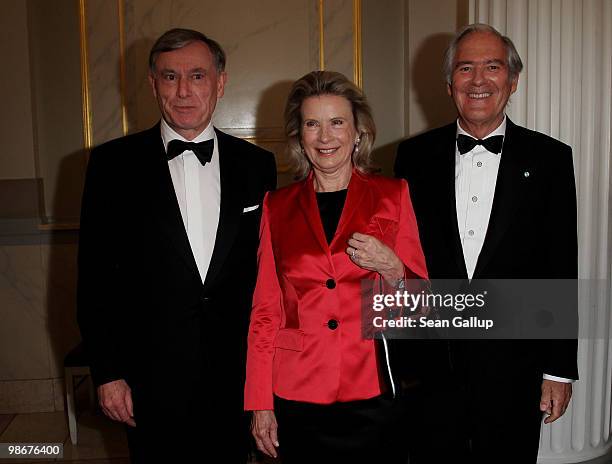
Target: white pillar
{"x": 566, "y": 91}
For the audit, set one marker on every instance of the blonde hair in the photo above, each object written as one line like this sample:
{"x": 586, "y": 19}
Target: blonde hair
{"x": 328, "y": 83}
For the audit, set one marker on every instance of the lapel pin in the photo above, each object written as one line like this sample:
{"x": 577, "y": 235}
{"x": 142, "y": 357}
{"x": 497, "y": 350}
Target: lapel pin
{"x": 526, "y": 173}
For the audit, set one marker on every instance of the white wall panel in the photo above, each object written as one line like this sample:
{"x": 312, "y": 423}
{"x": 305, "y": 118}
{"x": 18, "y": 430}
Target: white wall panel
{"x": 565, "y": 91}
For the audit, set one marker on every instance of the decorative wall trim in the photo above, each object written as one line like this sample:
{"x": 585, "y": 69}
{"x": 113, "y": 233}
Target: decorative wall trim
{"x": 85, "y": 94}
{"x": 255, "y": 139}
{"x": 321, "y": 37}
{"x": 264, "y": 134}
{"x": 30, "y": 396}
{"x": 357, "y": 49}
{"x": 122, "y": 74}
{"x": 52, "y": 226}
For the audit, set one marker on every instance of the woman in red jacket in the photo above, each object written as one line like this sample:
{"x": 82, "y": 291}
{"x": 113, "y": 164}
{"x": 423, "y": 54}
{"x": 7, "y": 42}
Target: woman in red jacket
{"x": 308, "y": 366}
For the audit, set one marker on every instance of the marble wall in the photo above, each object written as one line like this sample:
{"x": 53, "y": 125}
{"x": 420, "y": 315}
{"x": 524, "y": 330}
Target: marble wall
{"x": 56, "y": 112}
{"x": 384, "y": 78}
{"x": 37, "y": 282}
{"x": 41, "y": 170}
{"x": 16, "y": 132}
{"x": 431, "y": 29}
{"x": 103, "y": 47}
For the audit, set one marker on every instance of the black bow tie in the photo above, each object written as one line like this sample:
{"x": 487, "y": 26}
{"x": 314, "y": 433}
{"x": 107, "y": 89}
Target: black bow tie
{"x": 203, "y": 150}
{"x": 466, "y": 143}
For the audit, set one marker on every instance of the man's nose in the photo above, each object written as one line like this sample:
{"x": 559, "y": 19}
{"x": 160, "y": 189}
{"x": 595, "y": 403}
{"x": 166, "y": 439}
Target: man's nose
{"x": 183, "y": 89}
{"x": 478, "y": 76}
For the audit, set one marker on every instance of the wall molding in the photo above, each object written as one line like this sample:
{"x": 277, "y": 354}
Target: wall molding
{"x": 122, "y": 72}
{"x": 85, "y": 92}
{"x": 321, "y": 37}
{"x": 357, "y": 49}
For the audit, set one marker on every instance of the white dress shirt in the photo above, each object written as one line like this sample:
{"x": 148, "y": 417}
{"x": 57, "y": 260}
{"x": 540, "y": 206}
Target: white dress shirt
{"x": 475, "y": 180}
{"x": 198, "y": 191}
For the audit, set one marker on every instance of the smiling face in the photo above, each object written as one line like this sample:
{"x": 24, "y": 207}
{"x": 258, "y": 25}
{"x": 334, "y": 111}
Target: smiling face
{"x": 481, "y": 83}
{"x": 329, "y": 135}
{"x": 187, "y": 85}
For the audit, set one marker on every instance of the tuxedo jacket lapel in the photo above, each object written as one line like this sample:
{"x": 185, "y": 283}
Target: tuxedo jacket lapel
{"x": 510, "y": 188}
{"x": 445, "y": 156}
{"x": 232, "y": 175}
{"x": 165, "y": 204}
{"x": 168, "y": 212}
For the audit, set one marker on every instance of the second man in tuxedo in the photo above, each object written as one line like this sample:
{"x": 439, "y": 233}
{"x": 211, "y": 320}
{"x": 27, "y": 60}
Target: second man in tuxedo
{"x": 493, "y": 200}
{"x": 167, "y": 264}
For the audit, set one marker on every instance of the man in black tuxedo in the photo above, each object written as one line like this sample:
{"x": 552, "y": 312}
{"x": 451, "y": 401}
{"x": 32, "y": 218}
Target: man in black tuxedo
{"x": 167, "y": 264}
{"x": 493, "y": 201}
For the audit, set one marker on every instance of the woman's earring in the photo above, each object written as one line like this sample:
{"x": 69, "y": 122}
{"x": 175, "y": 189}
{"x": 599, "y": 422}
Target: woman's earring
{"x": 357, "y": 140}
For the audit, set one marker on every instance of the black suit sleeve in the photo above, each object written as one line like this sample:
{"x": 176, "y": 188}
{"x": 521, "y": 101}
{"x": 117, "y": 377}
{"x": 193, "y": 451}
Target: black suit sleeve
{"x": 562, "y": 252}
{"x": 400, "y": 167}
{"x": 98, "y": 296}
{"x": 269, "y": 172}
{"x": 408, "y": 166}
{"x": 561, "y": 256}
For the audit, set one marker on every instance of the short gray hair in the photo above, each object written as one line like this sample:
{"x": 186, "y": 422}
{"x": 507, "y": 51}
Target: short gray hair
{"x": 175, "y": 39}
{"x": 317, "y": 83}
{"x": 515, "y": 65}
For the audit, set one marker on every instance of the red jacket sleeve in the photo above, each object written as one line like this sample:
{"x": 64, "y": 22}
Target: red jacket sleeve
{"x": 265, "y": 322}
{"x": 408, "y": 245}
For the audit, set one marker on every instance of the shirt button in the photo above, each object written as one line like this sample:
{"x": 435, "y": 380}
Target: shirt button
{"x": 471, "y": 233}
{"x": 474, "y": 198}
{"x": 332, "y": 324}
{"x": 479, "y": 164}
{"x": 330, "y": 283}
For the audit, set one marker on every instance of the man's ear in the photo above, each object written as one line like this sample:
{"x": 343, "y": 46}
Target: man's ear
{"x": 152, "y": 82}
{"x": 221, "y": 81}
{"x": 514, "y": 85}
{"x": 449, "y": 90}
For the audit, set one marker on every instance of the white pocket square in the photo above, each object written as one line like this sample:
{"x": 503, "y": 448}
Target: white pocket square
{"x": 250, "y": 208}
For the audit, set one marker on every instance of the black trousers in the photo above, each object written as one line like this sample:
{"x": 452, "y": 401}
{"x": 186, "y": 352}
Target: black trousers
{"x": 207, "y": 441}
{"x": 366, "y": 431}
{"x": 486, "y": 410}
{"x": 192, "y": 428}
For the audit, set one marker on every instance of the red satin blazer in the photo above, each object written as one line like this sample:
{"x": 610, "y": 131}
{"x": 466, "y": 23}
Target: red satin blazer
{"x": 294, "y": 351}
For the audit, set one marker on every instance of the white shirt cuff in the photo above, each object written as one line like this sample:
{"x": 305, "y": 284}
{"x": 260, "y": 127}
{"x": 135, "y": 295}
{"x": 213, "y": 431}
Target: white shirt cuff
{"x": 554, "y": 378}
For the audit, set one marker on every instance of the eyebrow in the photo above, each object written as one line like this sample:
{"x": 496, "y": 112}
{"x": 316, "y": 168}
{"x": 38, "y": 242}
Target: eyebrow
{"x": 331, "y": 118}
{"x": 191, "y": 71}
{"x": 492, "y": 61}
